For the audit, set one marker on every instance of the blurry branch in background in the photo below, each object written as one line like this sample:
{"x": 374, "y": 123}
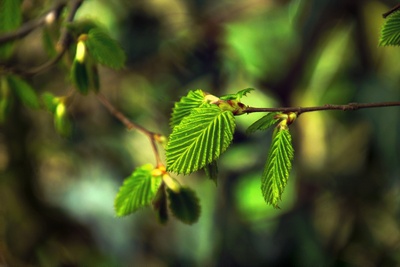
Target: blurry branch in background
{"x": 299, "y": 110}
{"x": 153, "y": 137}
{"x": 48, "y": 18}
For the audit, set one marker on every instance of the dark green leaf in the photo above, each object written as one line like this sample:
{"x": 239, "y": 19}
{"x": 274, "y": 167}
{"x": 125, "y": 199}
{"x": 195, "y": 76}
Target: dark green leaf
{"x": 137, "y": 191}
{"x": 263, "y": 123}
{"x": 211, "y": 171}
{"x": 186, "y": 104}
{"x": 390, "y": 33}
{"x": 238, "y": 95}
{"x": 10, "y": 19}
{"x": 160, "y": 204}
{"x": 24, "y": 91}
{"x": 279, "y": 164}
{"x": 104, "y": 49}
{"x": 184, "y": 205}
{"x": 80, "y": 76}
{"x": 199, "y": 139}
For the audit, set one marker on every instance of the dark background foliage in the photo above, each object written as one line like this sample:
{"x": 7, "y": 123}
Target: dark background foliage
{"x": 341, "y": 207}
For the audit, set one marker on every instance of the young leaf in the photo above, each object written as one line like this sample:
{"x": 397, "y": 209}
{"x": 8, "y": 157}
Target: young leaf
{"x": 390, "y": 33}
{"x": 24, "y": 91}
{"x": 186, "y": 104}
{"x": 199, "y": 139}
{"x": 160, "y": 204}
{"x": 80, "y": 76}
{"x": 104, "y": 49}
{"x": 277, "y": 169}
{"x": 184, "y": 205}
{"x": 263, "y": 123}
{"x": 137, "y": 191}
{"x": 10, "y": 19}
{"x": 61, "y": 120}
{"x": 238, "y": 95}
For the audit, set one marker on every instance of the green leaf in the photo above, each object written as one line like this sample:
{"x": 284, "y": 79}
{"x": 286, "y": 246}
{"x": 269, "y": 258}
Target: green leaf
{"x": 81, "y": 26}
{"x": 184, "y": 205}
{"x": 160, "y": 204}
{"x": 238, "y": 95}
{"x": 61, "y": 120}
{"x": 199, "y": 139}
{"x": 211, "y": 171}
{"x": 137, "y": 191}
{"x": 279, "y": 164}
{"x": 263, "y": 123}
{"x": 10, "y": 19}
{"x": 104, "y": 49}
{"x": 186, "y": 104}
{"x": 390, "y": 33}
{"x": 80, "y": 76}
{"x": 24, "y": 91}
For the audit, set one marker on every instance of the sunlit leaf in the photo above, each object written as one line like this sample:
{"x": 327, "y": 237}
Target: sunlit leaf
{"x": 10, "y": 19}
{"x": 24, "y": 91}
{"x": 278, "y": 166}
{"x": 137, "y": 191}
{"x": 263, "y": 123}
{"x": 104, "y": 49}
{"x": 390, "y": 33}
{"x": 238, "y": 95}
{"x": 186, "y": 104}
{"x": 184, "y": 205}
{"x": 199, "y": 139}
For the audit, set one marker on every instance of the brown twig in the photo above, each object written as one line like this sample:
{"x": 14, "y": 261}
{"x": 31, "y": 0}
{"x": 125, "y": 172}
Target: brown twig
{"x": 299, "y": 110}
{"x": 153, "y": 137}
{"x": 394, "y": 9}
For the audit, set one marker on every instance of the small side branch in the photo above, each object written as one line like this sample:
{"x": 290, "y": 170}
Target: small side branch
{"x": 153, "y": 137}
{"x": 299, "y": 110}
{"x": 391, "y": 11}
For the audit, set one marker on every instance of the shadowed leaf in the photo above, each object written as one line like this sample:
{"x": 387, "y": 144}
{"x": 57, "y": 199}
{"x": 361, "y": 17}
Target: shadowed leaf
{"x": 184, "y": 205}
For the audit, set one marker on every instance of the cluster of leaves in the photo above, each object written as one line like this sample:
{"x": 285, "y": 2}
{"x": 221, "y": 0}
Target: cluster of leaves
{"x": 202, "y": 129}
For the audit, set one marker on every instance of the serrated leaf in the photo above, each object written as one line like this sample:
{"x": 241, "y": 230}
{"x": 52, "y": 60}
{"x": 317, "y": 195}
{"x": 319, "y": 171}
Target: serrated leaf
{"x": 390, "y": 33}
{"x": 211, "y": 171}
{"x": 137, "y": 191}
{"x": 104, "y": 49}
{"x": 263, "y": 123}
{"x": 277, "y": 169}
{"x": 10, "y": 19}
{"x": 199, "y": 139}
{"x": 184, "y": 205}
{"x": 24, "y": 91}
{"x": 238, "y": 95}
{"x": 186, "y": 104}
{"x": 80, "y": 77}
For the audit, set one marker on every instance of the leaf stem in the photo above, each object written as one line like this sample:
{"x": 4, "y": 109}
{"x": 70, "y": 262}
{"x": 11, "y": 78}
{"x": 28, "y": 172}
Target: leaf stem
{"x": 153, "y": 137}
{"x": 299, "y": 110}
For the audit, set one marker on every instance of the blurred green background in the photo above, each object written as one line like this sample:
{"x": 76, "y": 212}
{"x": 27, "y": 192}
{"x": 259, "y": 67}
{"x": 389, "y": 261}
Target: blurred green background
{"x": 341, "y": 206}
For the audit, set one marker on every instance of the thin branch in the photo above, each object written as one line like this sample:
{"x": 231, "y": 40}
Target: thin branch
{"x": 394, "y": 9}
{"x": 153, "y": 137}
{"x": 29, "y": 26}
{"x": 299, "y": 110}
{"x": 62, "y": 43}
